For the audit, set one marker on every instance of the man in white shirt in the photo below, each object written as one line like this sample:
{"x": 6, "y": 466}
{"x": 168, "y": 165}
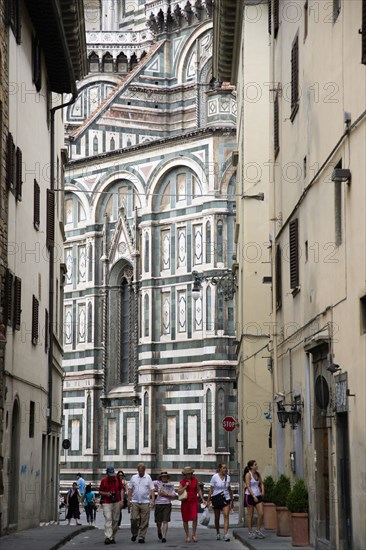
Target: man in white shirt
{"x": 140, "y": 494}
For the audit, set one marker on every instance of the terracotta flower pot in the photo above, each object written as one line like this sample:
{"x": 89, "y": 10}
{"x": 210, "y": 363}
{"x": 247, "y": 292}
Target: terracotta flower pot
{"x": 300, "y": 529}
{"x": 283, "y": 521}
{"x": 270, "y": 515}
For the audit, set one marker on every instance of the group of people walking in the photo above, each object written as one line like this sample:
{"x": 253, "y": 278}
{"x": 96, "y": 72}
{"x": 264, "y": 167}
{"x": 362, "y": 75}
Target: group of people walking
{"x": 141, "y": 494}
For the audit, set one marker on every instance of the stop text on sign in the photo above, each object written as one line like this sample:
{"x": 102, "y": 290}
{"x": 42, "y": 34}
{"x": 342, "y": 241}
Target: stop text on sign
{"x": 229, "y": 423}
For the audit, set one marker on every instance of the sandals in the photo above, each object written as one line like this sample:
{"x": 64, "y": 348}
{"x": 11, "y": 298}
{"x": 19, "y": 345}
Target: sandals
{"x": 188, "y": 539}
{"x": 194, "y": 538}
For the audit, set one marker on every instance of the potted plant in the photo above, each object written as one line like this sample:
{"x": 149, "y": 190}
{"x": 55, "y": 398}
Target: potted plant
{"x": 282, "y": 490}
{"x": 298, "y": 504}
{"x": 270, "y": 515}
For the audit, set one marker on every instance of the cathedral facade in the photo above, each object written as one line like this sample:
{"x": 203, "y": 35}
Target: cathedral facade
{"x": 150, "y": 369}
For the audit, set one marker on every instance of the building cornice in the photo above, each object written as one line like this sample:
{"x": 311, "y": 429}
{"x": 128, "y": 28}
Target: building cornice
{"x": 227, "y": 24}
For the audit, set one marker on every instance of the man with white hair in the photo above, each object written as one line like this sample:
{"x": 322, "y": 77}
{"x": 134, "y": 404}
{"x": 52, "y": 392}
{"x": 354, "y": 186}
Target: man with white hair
{"x": 141, "y": 495}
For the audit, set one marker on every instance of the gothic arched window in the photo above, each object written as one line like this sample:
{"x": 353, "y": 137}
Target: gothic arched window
{"x": 122, "y": 63}
{"x": 208, "y": 309}
{"x": 209, "y": 415}
{"x": 88, "y": 422}
{"x": 112, "y": 144}
{"x": 133, "y": 61}
{"x": 221, "y": 405}
{"x": 146, "y": 419}
{"x": 220, "y": 241}
{"x": 147, "y": 253}
{"x": 208, "y": 242}
{"x": 90, "y": 323}
{"x": 95, "y": 145}
{"x": 146, "y": 315}
{"x": 93, "y": 63}
{"x": 108, "y": 63}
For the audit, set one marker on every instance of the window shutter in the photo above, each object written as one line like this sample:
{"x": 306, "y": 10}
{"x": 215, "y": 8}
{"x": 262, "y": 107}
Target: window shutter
{"x": 36, "y": 205}
{"x": 278, "y": 265}
{"x": 270, "y": 17}
{"x": 276, "y": 16}
{"x": 8, "y": 298}
{"x": 35, "y": 312}
{"x": 17, "y": 303}
{"x": 36, "y": 63}
{"x": 46, "y": 330}
{"x": 363, "y": 30}
{"x": 294, "y": 253}
{"x": 10, "y": 163}
{"x": 50, "y": 218}
{"x": 276, "y": 129}
{"x": 19, "y": 174}
{"x": 294, "y": 77}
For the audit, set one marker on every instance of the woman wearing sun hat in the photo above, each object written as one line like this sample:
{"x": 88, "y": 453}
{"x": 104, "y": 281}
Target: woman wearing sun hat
{"x": 189, "y": 507}
{"x": 163, "y": 504}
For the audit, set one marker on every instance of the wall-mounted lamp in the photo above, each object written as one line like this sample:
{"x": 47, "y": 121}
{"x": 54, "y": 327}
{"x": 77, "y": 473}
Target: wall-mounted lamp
{"x": 341, "y": 175}
{"x": 225, "y": 280}
{"x": 293, "y": 414}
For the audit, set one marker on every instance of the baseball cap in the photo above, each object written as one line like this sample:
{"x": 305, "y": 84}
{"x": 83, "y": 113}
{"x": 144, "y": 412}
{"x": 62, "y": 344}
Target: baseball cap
{"x": 110, "y": 471}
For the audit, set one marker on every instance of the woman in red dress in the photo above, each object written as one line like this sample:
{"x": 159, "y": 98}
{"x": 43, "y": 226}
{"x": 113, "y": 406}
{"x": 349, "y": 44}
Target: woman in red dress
{"x": 189, "y": 507}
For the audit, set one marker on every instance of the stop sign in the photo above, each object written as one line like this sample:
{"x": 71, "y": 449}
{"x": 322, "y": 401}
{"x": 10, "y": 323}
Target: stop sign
{"x": 229, "y": 423}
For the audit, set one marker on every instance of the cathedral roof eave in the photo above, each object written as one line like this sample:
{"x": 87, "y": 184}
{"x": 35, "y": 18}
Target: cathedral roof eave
{"x": 181, "y": 138}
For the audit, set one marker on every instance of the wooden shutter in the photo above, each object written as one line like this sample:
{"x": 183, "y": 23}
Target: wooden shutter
{"x": 8, "y": 298}
{"x": 35, "y": 319}
{"x": 36, "y": 205}
{"x": 17, "y": 303}
{"x": 46, "y": 330}
{"x": 363, "y": 30}
{"x": 294, "y": 253}
{"x": 294, "y": 77}
{"x": 19, "y": 174}
{"x": 270, "y": 17}
{"x": 276, "y": 129}
{"x": 278, "y": 279}
{"x": 10, "y": 165}
{"x": 276, "y": 16}
{"x": 50, "y": 218}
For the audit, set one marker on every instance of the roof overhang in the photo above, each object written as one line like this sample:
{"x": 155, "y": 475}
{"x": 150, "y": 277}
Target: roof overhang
{"x": 227, "y": 19}
{"x": 60, "y": 27}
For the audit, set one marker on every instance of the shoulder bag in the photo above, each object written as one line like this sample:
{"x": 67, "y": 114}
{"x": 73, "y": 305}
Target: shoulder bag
{"x": 183, "y": 496}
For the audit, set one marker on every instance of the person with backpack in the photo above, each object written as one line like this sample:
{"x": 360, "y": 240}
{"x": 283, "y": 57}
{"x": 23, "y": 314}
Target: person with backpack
{"x": 89, "y": 504}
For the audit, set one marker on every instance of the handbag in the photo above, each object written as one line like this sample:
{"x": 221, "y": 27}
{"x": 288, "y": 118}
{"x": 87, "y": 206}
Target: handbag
{"x": 184, "y": 495}
{"x": 205, "y": 517}
{"x": 219, "y": 500}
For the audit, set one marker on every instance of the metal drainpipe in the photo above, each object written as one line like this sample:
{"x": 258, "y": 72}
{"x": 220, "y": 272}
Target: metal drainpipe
{"x": 52, "y": 267}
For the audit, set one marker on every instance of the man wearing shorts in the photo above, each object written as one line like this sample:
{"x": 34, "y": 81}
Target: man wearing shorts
{"x": 163, "y": 505}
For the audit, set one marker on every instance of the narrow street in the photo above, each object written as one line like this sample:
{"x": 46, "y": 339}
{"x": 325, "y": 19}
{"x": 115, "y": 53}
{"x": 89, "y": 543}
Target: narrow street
{"x": 175, "y": 539}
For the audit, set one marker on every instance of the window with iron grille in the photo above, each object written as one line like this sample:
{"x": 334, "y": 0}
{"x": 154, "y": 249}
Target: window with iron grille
{"x": 50, "y": 218}
{"x": 36, "y": 205}
{"x": 363, "y": 31}
{"x": 294, "y": 78}
{"x": 35, "y": 320}
{"x": 294, "y": 253}
{"x": 276, "y": 129}
{"x": 278, "y": 279}
{"x": 17, "y": 303}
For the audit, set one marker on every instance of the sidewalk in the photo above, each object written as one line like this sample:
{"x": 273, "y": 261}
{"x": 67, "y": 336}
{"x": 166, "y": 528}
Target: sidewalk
{"x": 49, "y": 537}
{"x": 271, "y": 542}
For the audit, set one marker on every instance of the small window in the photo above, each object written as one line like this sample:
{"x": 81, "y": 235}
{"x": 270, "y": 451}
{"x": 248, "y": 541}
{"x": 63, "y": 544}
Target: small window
{"x": 294, "y": 78}
{"x": 31, "y": 418}
{"x": 108, "y": 63}
{"x": 36, "y": 205}
{"x": 363, "y": 314}
{"x": 18, "y": 174}
{"x": 122, "y": 63}
{"x": 50, "y": 218}
{"x": 133, "y": 61}
{"x": 95, "y": 145}
{"x": 93, "y": 63}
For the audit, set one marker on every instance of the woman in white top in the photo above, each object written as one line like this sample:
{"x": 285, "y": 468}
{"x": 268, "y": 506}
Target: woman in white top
{"x": 253, "y": 498}
{"x": 220, "y": 483}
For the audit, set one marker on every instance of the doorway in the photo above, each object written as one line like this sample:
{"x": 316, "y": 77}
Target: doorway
{"x": 14, "y": 465}
{"x": 344, "y": 489}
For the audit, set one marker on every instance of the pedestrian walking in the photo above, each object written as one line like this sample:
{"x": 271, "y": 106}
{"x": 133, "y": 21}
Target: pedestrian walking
{"x": 221, "y": 496}
{"x": 89, "y": 504}
{"x": 81, "y": 484}
{"x": 253, "y": 498}
{"x": 73, "y": 499}
{"x": 141, "y": 496}
{"x": 121, "y": 477}
{"x": 111, "y": 491}
{"x": 163, "y": 504}
{"x": 189, "y": 508}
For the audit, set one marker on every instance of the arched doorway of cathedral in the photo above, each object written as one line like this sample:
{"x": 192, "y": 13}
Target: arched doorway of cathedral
{"x": 122, "y": 315}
